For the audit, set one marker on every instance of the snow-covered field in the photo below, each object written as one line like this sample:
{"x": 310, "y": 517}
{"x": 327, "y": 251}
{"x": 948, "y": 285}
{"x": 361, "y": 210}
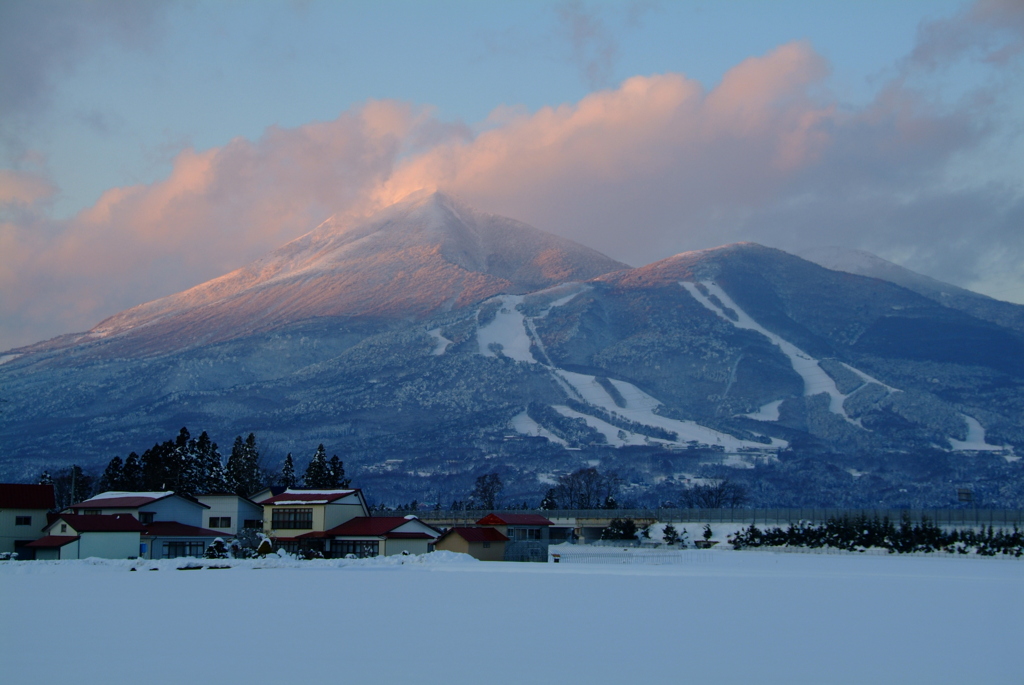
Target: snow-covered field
{"x": 717, "y": 617}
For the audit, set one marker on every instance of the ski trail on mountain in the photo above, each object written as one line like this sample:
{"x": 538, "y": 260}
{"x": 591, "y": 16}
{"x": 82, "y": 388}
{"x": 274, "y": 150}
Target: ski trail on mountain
{"x": 512, "y": 334}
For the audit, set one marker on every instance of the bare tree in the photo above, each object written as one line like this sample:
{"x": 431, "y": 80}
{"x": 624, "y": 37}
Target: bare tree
{"x": 586, "y": 488}
{"x": 724, "y": 495}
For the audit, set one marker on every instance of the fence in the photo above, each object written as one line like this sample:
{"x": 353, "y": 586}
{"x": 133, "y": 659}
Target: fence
{"x": 583, "y": 517}
{"x": 586, "y": 554}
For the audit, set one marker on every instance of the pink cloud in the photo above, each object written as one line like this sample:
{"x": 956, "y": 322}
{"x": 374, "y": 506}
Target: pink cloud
{"x": 653, "y": 167}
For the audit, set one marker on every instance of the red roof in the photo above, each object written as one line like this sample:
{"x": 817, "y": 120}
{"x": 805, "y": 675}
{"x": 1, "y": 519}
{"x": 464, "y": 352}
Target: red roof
{"x": 308, "y": 496}
{"x": 20, "y": 496}
{"x": 476, "y": 535}
{"x": 52, "y": 541}
{"x": 175, "y": 529}
{"x": 371, "y": 525}
{"x": 102, "y": 523}
{"x": 514, "y": 520}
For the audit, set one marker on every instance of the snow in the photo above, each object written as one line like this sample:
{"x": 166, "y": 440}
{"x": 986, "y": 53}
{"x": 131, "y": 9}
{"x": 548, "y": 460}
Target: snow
{"x": 111, "y": 494}
{"x": 522, "y": 423}
{"x": 975, "y": 441}
{"x": 641, "y": 407}
{"x": 769, "y": 412}
{"x": 441, "y": 343}
{"x": 816, "y": 380}
{"x": 4, "y": 358}
{"x": 718, "y": 617}
{"x": 514, "y": 332}
{"x": 507, "y": 329}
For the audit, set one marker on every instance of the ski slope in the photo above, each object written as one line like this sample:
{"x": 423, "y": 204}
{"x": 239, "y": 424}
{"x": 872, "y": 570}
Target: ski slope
{"x": 513, "y": 333}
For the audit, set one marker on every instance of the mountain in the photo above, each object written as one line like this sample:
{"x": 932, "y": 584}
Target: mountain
{"x": 866, "y": 264}
{"x": 426, "y": 254}
{"x": 517, "y": 352}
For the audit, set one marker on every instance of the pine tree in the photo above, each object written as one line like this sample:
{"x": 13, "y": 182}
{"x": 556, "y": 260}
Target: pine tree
{"x": 317, "y": 474}
{"x": 243, "y": 471}
{"x": 154, "y": 468}
{"x": 213, "y": 479}
{"x": 287, "y": 477}
{"x": 131, "y": 473}
{"x": 45, "y": 478}
{"x": 610, "y": 503}
{"x": 113, "y": 475}
{"x": 550, "y": 500}
{"x": 336, "y": 469}
{"x": 669, "y": 534}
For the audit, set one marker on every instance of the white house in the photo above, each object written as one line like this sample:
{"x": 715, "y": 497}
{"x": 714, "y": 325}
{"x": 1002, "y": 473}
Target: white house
{"x": 147, "y": 507}
{"x": 23, "y": 511}
{"x": 77, "y": 536}
{"x": 229, "y": 513}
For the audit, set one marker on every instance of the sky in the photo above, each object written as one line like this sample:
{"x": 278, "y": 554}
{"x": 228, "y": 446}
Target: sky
{"x": 146, "y": 147}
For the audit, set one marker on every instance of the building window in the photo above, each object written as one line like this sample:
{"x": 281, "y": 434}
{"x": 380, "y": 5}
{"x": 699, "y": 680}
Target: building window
{"x": 360, "y": 548}
{"x": 487, "y": 545}
{"x": 173, "y": 550}
{"x": 23, "y": 520}
{"x": 220, "y": 522}
{"x": 146, "y": 516}
{"x": 253, "y": 523}
{"x": 291, "y": 518}
{"x": 63, "y": 527}
{"x": 92, "y": 512}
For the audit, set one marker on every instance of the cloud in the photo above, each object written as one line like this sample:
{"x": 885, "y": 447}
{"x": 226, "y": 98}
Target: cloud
{"x": 655, "y": 166}
{"x": 217, "y": 210}
{"x": 43, "y": 39}
{"x": 592, "y": 45}
{"x": 989, "y": 30}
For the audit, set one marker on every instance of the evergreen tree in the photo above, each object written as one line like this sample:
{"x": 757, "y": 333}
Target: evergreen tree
{"x": 610, "y": 503}
{"x": 318, "y": 474}
{"x": 550, "y": 500}
{"x": 213, "y": 478}
{"x": 45, "y": 478}
{"x": 113, "y": 476}
{"x": 620, "y": 529}
{"x": 131, "y": 473}
{"x": 669, "y": 534}
{"x": 336, "y": 469}
{"x": 243, "y": 469}
{"x": 287, "y": 477}
{"x": 154, "y": 467}
{"x": 189, "y": 474}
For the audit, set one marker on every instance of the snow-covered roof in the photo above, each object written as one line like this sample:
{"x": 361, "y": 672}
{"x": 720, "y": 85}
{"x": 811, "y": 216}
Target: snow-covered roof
{"x": 308, "y": 497}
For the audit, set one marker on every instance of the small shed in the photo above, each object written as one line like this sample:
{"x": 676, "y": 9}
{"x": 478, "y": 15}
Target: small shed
{"x": 485, "y": 544}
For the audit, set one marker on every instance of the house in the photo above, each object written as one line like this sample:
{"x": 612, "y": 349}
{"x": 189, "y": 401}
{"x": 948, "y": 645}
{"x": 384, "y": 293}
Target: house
{"x": 170, "y": 539}
{"x": 528, "y": 535}
{"x": 229, "y": 513}
{"x": 292, "y": 515}
{"x": 147, "y": 507}
{"x": 266, "y": 493}
{"x": 173, "y": 523}
{"x": 78, "y": 536}
{"x": 485, "y": 544}
{"x": 366, "y": 536}
{"x": 23, "y": 511}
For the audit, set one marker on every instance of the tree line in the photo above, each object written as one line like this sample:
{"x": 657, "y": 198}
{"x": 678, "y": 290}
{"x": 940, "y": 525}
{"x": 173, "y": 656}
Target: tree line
{"x": 194, "y": 466}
